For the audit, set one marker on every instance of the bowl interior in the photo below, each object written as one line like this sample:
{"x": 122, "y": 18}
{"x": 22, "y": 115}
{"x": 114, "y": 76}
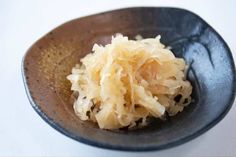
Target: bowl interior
{"x": 211, "y": 72}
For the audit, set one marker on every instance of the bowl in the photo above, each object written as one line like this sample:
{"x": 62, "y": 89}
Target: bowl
{"x": 211, "y": 72}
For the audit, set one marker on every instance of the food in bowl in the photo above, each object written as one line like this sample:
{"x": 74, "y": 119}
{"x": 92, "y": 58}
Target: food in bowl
{"x": 125, "y": 83}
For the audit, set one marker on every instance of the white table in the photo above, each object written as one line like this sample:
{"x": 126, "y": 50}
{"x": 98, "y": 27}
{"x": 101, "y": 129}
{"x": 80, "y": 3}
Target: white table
{"x": 24, "y": 133}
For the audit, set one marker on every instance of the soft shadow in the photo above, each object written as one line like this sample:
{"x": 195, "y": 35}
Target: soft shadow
{"x": 178, "y": 151}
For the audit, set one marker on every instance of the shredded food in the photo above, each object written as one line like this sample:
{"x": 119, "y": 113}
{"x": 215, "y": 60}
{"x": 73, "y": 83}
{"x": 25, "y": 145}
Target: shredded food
{"x": 124, "y": 83}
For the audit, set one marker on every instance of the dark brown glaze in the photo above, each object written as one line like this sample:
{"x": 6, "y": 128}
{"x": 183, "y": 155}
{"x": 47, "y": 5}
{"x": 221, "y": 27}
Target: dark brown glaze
{"x": 212, "y": 73}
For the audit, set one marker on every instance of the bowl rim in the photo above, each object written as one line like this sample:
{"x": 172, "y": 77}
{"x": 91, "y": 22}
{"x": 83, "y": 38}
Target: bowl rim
{"x": 183, "y": 140}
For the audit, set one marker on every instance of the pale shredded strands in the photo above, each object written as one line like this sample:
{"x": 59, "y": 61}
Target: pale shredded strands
{"x": 125, "y": 82}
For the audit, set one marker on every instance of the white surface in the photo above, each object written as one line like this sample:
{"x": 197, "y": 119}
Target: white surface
{"x": 24, "y": 133}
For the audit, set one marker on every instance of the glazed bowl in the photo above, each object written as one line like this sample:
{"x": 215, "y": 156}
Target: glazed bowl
{"x": 211, "y": 72}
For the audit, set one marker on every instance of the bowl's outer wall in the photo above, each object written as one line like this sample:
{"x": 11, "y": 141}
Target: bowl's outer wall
{"x": 211, "y": 72}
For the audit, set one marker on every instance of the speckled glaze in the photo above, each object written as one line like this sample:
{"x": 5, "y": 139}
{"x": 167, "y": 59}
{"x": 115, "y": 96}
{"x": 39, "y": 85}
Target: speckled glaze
{"x": 212, "y": 74}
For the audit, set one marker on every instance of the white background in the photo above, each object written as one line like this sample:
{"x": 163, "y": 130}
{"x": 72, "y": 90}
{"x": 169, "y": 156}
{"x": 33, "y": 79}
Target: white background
{"x": 24, "y": 133}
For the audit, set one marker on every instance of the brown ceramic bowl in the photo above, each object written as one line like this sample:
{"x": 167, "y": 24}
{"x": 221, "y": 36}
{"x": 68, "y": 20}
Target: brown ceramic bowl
{"x": 48, "y": 62}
